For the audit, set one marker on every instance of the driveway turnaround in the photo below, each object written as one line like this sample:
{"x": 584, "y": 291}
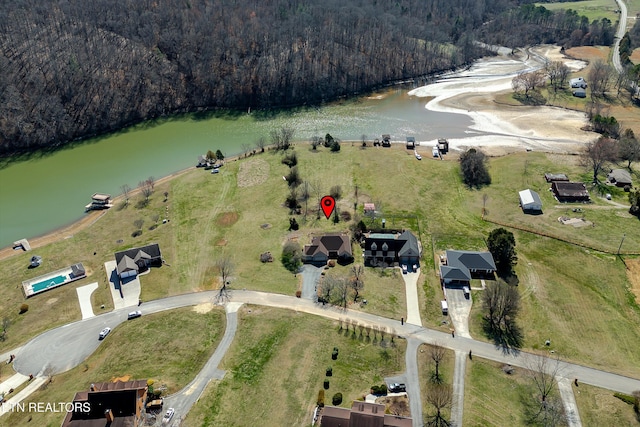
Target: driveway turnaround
{"x": 125, "y": 293}
{"x": 411, "y": 294}
{"x": 84, "y": 297}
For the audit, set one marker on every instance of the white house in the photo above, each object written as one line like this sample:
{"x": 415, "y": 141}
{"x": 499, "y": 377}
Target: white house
{"x": 530, "y": 201}
{"x": 578, "y": 82}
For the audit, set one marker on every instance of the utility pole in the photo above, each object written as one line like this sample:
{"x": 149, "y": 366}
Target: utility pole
{"x": 621, "y": 241}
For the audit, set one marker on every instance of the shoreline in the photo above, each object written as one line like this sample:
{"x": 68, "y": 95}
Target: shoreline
{"x": 497, "y": 128}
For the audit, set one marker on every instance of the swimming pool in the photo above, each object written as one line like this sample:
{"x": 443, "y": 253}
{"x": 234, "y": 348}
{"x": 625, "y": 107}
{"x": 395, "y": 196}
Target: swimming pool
{"x": 51, "y": 282}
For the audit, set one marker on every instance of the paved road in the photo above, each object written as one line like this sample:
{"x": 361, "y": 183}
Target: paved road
{"x": 188, "y": 396}
{"x": 413, "y": 380}
{"x": 622, "y": 29}
{"x": 68, "y": 346}
{"x": 457, "y": 406}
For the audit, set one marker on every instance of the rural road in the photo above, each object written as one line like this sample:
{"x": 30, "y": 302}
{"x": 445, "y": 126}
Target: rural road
{"x": 81, "y": 339}
{"x": 622, "y": 28}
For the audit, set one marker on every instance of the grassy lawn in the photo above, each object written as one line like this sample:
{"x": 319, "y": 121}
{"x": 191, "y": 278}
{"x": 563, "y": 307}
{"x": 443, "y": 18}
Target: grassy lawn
{"x": 592, "y": 9}
{"x": 426, "y": 367}
{"x": 151, "y": 347}
{"x": 599, "y": 407}
{"x": 275, "y": 369}
{"x": 484, "y": 405}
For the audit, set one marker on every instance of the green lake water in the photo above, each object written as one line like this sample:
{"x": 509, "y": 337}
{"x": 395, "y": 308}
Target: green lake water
{"x": 42, "y": 194}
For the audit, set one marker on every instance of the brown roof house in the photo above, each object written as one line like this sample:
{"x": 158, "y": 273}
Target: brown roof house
{"x": 619, "y": 177}
{"x": 361, "y": 414}
{"x": 387, "y": 249}
{"x": 117, "y": 404}
{"x": 132, "y": 261}
{"x": 570, "y": 191}
{"x": 328, "y": 246}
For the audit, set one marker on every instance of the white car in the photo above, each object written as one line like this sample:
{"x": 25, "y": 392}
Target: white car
{"x": 103, "y": 333}
{"x": 168, "y": 415}
{"x": 134, "y": 314}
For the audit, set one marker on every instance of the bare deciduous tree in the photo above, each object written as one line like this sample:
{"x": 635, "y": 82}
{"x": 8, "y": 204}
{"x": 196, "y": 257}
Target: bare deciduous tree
{"x": 558, "y": 73}
{"x": 437, "y": 353}
{"x": 146, "y": 189}
{"x": 357, "y": 280}
{"x": 600, "y": 77}
{"x": 597, "y": 153}
{"x": 440, "y": 397}
{"x": 125, "y": 192}
{"x": 261, "y": 143}
{"x": 528, "y": 82}
{"x": 546, "y": 408}
{"x": 138, "y": 223}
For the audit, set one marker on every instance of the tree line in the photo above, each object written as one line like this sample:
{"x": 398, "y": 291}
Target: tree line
{"x": 72, "y": 69}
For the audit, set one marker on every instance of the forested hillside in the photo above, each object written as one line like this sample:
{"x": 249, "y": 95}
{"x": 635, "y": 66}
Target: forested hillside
{"x": 73, "y": 68}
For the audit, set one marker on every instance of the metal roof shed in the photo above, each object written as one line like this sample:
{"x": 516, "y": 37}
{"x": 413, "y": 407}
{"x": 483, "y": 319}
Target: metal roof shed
{"x": 530, "y": 201}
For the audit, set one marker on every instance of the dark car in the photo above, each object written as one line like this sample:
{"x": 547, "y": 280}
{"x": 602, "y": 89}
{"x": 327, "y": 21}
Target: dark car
{"x": 397, "y": 387}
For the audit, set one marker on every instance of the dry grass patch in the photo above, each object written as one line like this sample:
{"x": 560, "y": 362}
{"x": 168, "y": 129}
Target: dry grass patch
{"x": 633, "y": 272}
{"x": 589, "y": 53}
{"x": 253, "y": 172}
{"x": 395, "y": 405}
{"x": 227, "y": 219}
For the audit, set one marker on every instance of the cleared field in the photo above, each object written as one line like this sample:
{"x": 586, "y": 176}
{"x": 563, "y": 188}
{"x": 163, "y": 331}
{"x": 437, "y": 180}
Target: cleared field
{"x": 151, "y": 347}
{"x": 592, "y": 9}
{"x": 277, "y": 365}
{"x": 599, "y": 407}
{"x": 484, "y": 406}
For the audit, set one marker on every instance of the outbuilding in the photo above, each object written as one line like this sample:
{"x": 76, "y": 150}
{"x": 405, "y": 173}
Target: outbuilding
{"x": 530, "y": 201}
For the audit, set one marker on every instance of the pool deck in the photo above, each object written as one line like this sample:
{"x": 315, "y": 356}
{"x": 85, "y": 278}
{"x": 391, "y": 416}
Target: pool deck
{"x": 27, "y": 285}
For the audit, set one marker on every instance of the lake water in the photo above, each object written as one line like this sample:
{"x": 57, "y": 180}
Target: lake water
{"x": 42, "y": 194}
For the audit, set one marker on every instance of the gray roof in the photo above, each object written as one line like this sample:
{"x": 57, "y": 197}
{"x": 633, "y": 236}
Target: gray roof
{"x": 471, "y": 260}
{"x": 411, "y": 244}
{"x": 126, "y": 260}
{"x": 620, "y": 176}
{"x": 454, "y": 273}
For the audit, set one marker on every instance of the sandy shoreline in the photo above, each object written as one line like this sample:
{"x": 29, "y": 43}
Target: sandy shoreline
{"x": 498, "y": 129}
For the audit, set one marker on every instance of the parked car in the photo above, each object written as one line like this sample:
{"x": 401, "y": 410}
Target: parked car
{"x": 168, "y": 415}
{"x": 397, "y": 387}
{"x": 404, "y": 269}
{"x": 134, "y": 314}
{"x": 103, "y": 333}
{"x": 215, "y": 171}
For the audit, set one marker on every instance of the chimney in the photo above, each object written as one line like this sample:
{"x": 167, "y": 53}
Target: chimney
{"x": 108, "y": 414}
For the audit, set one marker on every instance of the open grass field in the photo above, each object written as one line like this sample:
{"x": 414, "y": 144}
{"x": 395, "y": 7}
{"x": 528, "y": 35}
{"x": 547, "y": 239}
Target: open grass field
{"x": 277, "y": 365}
{"x": 151, "y": 347}
{"x": 599, "y": 407}
{"x": 592, "y": 9}
{"x": 484, "y": 406}
{"x": 210, "y": 216}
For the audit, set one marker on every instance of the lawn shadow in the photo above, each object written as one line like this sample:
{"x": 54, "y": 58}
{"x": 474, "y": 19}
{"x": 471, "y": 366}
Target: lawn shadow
{"x": 509, "y": 339}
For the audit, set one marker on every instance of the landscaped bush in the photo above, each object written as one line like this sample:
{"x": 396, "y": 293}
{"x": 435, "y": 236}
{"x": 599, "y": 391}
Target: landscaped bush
{"x": 292, "y": 256}
{"x": 326, "y": 384}
{"x": 298, "y": 294}
{"x": 337, "y": 399}
{"x": 329, "y": 371}
{"x": 334, "y": 353}
{"x": 24, "y": 308}
{"x": 379, "y": 390}
{"x": 320, "y": 401}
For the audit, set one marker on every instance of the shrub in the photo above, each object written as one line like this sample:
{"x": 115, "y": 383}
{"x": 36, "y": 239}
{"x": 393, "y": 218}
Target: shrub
{"x": 136, "y": 233}
{"x": 336, "y": 192}
{"x": 292, "y": 256}
{"x": 329, "y": 371}
{"x": 345, "y": 215}
{"x": 337, "y": 399}
{"x": 290, "y": 160}
{"x": 626, "y": 398}
{"x": 293, "y": 177}
{"x": 320, "y": 401}
{"x": 24, "y": 308}
{"x": 627, "y": 188}
{"x": 380, "y": 390}
{"x": 335, "y": 146}
{"x": 298, "y": 294}
{"x": 326, "y": 384}
{"x": 266, "y": 257}
{"x": 334, "y": 353}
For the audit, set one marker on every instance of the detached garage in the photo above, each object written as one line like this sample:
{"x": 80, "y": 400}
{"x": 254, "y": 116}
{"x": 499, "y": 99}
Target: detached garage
{"x": 530, "y": 201}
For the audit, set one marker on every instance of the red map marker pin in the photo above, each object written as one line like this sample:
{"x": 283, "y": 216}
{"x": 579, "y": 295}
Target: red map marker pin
{"x": 328, "y": 204}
